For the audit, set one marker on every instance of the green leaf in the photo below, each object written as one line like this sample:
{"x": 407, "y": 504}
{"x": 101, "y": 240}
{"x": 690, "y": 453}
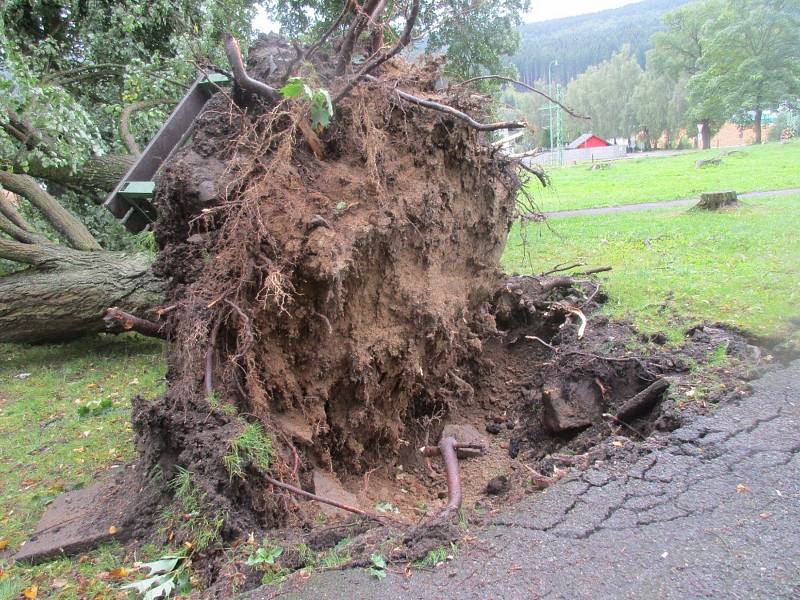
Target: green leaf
{"x": 378, "y": 561}
{"x": 293, "y": 88}
{"x": 326, "y": 95}
{"x": 321, "y": 108}
{"x": 163, "y": 590}
{"x": 264, "y": 556}
{"x": 378, "y": 573}
{"x": 143, "y": 585}
{"x": 164, "y": 565}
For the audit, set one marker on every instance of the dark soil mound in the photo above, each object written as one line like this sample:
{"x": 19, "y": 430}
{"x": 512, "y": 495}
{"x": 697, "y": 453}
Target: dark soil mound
{"x": 327, "y": 301}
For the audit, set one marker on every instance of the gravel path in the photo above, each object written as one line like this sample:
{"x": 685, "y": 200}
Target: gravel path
{"x": 608, "y": 210}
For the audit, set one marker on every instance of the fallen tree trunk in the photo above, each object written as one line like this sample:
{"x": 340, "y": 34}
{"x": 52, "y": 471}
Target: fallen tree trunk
{"x": 66, "y": 292}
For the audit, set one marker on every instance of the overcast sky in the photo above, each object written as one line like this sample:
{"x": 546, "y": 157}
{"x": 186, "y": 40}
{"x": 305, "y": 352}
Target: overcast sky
{"x": 543, "y": 10}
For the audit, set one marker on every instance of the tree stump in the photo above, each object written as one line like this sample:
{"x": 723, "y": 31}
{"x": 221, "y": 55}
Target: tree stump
{"x": 699, "y": 164}
{"x": 717, "y": 200}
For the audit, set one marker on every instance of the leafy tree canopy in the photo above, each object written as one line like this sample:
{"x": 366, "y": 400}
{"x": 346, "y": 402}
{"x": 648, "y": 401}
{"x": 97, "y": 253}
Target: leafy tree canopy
{"x": 476, "y": 35}
{"x": 738, "y": 55}
{"x": 605, "y": 92}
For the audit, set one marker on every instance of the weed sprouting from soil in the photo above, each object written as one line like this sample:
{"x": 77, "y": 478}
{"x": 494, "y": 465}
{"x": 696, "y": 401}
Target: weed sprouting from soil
{"x": 251, "y": 447}
{"x": 188, "y": 518}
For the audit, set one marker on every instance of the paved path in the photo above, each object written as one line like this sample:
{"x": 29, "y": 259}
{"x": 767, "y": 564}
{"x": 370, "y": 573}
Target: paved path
{"x": 714, "y": 513}
{"x": 607, "y": 210}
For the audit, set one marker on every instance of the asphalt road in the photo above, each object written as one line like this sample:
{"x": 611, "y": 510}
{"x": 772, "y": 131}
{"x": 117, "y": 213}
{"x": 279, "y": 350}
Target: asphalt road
{"x": 712, "y": 513}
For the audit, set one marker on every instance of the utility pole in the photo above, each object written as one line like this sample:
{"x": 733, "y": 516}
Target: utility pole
{"x": 550, "y": 105}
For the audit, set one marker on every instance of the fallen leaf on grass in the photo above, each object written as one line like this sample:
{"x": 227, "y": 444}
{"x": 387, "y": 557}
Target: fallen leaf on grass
{"x": 31, "y": 592}
{"x": 57, "y": 584}
{"x": 3, "y": 544}
{"x": 119, "y": 573}
{"x": 112, "y": 530}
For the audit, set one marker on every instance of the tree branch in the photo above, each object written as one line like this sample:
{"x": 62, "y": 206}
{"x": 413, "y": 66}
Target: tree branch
{"x": 29, "y": 254}
{"x": 454, "y": 112}
{"x": 240, "y": 76}
{"x": 355, "y": 29}
{"x": 97, "y": 173}
{"x": 528, "y": 87}
{"x": 316, "y": 45}
{"x": 17, "y": 233}
{"x": 8, "y": 210}
{"x": 118, "y": 320}
{"x": 60, "y": 218}
{"x": 71, "y": 73}
{"x": 124, "y": 122}
{"x": 381, "y": 58}
{"x": 20, "y": 128}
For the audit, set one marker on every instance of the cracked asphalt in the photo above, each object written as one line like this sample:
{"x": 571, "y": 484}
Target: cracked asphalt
{"x": 714, "y": 513}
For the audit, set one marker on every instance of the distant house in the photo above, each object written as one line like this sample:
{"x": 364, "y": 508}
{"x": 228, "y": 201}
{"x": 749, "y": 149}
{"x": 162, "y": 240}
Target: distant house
{"x": 588, "y": 140}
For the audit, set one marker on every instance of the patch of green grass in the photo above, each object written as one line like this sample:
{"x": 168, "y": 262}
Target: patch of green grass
{"x": 65, "y": 418}
{"x": 437, "y": 556}
{"x": 275, "y": 577}
{"x": 217, "y": 405}
{"x": 719, "y": 355}
{"x": 652, "y": 179}
{"x": 337, "y": 556}
{"x": 251, "y": 446}
{"x": 64, "y": 421}
{"x": 193, "y": 519}
{"x": 672, "y": 269}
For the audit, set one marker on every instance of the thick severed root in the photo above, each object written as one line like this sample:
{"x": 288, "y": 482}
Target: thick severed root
{"x": 117, "y": 321}
{"x": 447, "y": 450}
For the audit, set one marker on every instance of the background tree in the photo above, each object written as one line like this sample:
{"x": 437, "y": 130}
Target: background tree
{"x": 584, "y": 40}
{"x": 660, "y": 107}
{"x": 752, "y": 58}
{"x": 678, "y": 54}
{"x": 83, "y": 85}
{"x": 605, "y": 93}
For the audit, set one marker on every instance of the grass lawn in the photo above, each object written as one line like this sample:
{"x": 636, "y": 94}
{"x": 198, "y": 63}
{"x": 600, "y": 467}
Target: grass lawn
{"x": 675, "y": 268}
{"x": 650, "y": 179}
{"x": 64, "y": 420}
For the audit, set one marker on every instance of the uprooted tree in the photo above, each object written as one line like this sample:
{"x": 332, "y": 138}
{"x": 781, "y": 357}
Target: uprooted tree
{"x": 323, "y": 301}
{"x": 329, "y": 241}
{"x": 84, "y": 84}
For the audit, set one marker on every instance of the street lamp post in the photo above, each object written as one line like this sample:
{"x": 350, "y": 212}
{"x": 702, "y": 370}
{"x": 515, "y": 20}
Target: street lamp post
{"x": 553, "y": 63}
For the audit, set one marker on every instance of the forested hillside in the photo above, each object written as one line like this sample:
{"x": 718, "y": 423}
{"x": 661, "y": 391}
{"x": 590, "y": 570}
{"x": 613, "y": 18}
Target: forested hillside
{"x": 585, "y": 40}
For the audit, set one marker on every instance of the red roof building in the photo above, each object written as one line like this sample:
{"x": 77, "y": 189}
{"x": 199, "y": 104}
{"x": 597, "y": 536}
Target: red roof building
{"x": 588, "y": 140}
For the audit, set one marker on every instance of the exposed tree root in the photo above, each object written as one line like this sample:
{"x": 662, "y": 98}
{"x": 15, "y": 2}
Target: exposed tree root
{"x": 346, "y": 507}
{"x": 447, "y": 450}
{"x": 118, "y": 320}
